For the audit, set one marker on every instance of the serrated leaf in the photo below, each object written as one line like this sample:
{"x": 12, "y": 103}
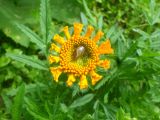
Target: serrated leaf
{"x": 45, "y": 19}
{"x": 82, "y": 101}
{"x": 28, "y": 60}
{"x": 33, "y": 36}
{"x": 18, "y": 102}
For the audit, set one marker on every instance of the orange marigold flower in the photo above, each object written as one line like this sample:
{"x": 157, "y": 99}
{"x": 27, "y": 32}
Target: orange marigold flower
{"x": 79, "y": 56}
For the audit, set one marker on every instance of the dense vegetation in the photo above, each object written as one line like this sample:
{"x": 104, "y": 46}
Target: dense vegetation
{"x": 129, "y": 90}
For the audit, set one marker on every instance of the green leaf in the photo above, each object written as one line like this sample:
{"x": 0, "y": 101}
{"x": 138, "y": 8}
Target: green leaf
{"x": 111, "y": 31}
{"x": 45, "y": 19}
{"x": 88, "y": 12}
{"x": 106, "y": 111}
{"x": 96, "y": 109}
{"x": 8, "y": 13}
{"x": 152, "y": 6}
{"x": 23, "y": 11}
{"x": 121, "y": 115}
{"x": 7, "y": 101}
{"x": 16, "y": 35}
{"x": 35, "y": 110}
{"x": 70, "y": 12}
{"x": 114, "y": 33}
{"x": 102, "y": 82}
{"x": 88, "y": 117}
{"x": 144, "y": 34}
{"x": 154, "y": 61}
{"x": 82, "y": 101}
{"x": 64, "y": 108}
{"x": 84, "y": 19}
{"x": 156, "y": 33}
{"x": 100, "y": 22}
{"x": 4, "y": 61}
{"x": 28, "y": 60}
{"x": 33, "y": 36}
{"x": 18, "y": 102}
{"x": 155, "y": 44}
{"x": 121, "y": 48}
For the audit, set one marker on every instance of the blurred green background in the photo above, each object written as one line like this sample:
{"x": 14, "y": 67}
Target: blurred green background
{"x": 130, "y": 90}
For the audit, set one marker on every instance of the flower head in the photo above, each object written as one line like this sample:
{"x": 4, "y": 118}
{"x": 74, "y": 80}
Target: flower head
{"x": 79, "y": 56}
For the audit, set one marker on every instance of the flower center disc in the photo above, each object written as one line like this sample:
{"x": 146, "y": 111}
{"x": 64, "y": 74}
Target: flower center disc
{"x": 78, "y": 55}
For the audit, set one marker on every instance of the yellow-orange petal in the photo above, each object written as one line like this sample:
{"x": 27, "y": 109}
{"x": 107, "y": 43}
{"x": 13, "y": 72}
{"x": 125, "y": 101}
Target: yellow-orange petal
{"x": 56, "y": 72}
{"x": 71, "y": 80}
{"x": 105, "y": 48}
{"x": 66, "y": 32}
{"x": 98, "y": 36}
{"x": 53, "y": 59}
{"x": 89, "y": 31}
{"x": 95, "y": 77}
{"x": 77, "y": 28}
{"x": 55, "y": 47}
{"x": 58, "y": 39}
{"x": 104, "y": 63}
{"x": 83, "y": 84}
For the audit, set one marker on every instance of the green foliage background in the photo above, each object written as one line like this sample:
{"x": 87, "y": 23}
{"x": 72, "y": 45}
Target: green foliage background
{"x": 130, "y": 90}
